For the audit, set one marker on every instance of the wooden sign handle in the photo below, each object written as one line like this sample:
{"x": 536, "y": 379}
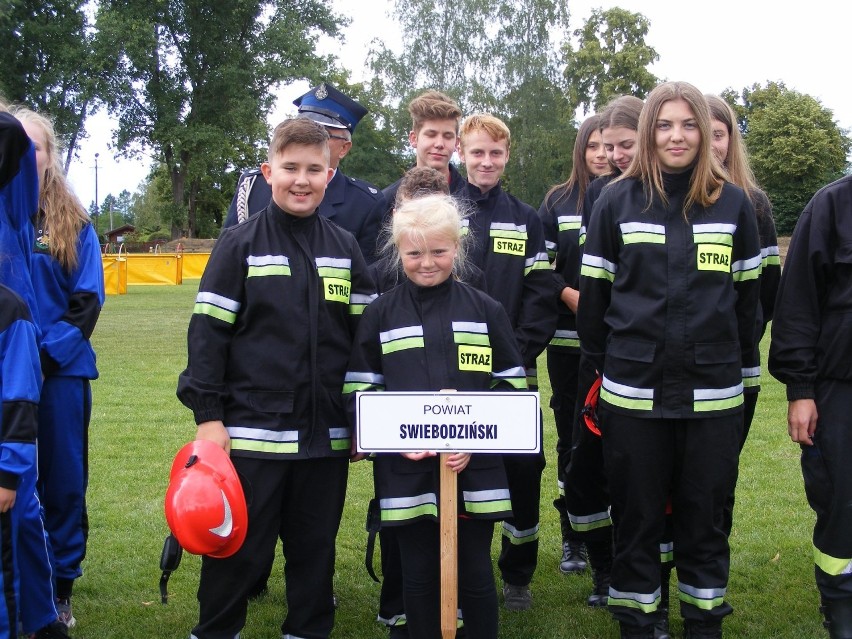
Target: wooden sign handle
{"x": 448, "y": 516}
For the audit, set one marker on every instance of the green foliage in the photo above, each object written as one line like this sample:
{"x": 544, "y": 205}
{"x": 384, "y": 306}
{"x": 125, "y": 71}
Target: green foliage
{"x": 138, "y": 425}
{"x": 611, "y": 59}
{"x": 794, "y": 145}
{"x": 49, "y": 63}
{"x": 194, "y": 81}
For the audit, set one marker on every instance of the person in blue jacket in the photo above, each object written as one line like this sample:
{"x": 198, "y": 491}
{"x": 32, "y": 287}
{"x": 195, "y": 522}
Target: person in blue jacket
{"x": 29, "y": 604}
{"x": 68, "y": 280}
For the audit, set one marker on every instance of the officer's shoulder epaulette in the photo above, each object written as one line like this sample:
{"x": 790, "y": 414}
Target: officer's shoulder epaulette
{"x": 373, "y": 191}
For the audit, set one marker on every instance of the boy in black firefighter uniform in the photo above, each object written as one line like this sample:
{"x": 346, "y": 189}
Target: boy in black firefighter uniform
{"x": 432, "y": 332}
{"x": 669, "y": 292}
{"x": 810, "y": 353}
{"x": 508, "y": 246}
{"x": 269, "y": 339}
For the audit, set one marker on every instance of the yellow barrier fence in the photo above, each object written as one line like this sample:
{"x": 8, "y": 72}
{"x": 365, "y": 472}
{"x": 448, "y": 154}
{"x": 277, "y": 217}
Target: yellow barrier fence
{"x": 194, "y": 265}
{"x": 121, "y": 269}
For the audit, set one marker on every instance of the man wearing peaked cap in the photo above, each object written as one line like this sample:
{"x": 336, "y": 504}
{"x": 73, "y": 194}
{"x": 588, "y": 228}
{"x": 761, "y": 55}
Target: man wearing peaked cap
{"x": 352, "y": 204}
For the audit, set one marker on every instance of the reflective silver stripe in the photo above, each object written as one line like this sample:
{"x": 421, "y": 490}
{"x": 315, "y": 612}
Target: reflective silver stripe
{"x": 593, "y": 265}
{"x": 268, "y": 260}
{"x": 642, "y": 227}
{"x": 338, "y": 433}
{"x": 393, "y": 503}
{"x": 627, "y": 391}
{"x": 769, "y": 250}
{"x": 701, "y": 593}
{"x": 582, "y": 523}
{"x": 218, "y": 300}
{"x": 334, "y": 262}
{"x": 530, "y": 534}
{"x": 260, "y": 434}
{"x": 470, "y": 327}
{"x": 485, "y": 495}
{"x": 508, "y": 226}
{"x": 645, "y": 598}
{"x": 728, "y": 229}
{"x": 705, "y": 394}
{"x": 400, "y": 333}
{"x": 396, "y": 620}
{"x": 666, "y": 547}
{"x": 360, "y": 298}
{"x": 560, "y": 486}
{"x": 747, "y": 269}
{"x": 366, "y": 377}
{"x": 569, "y": 222}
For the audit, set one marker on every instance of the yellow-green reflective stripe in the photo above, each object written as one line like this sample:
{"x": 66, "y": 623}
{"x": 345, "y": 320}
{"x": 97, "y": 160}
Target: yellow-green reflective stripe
{"x": 354, "y": 387}
{"x": 703, "y": 604}
{"x": 264, "y": 447}
{"x": 484, "y": 507}
{"x": 402, "y": 344}
{"x": 341, "y": 444}
{"x": 215, "y": 311}
{"x": 713, "y": 238}
{"x": 518, "y": 537}
{"x": 744, "y": 276}
{"x": 773, "y": 260}
{"x": 625, "y": 402}
{"x": 831, "y": 565}
{"x": 357, "y": 309}
{"x": 265, "y": 271}
{"x": 401, "y": 514}
{"x": 643, "y": 238}
{"x": 592, "y": 522}
{"x": 567, "y": 342}
{"x": 516, "y": 382}
{"x": 597, "y": 273}
{"x": 330, "y": 271}
{"x": 569, "y": 226}
{"x": 471, "y": 338}
{"x": 714, "y": 404}
{"x": 645, "y": 603}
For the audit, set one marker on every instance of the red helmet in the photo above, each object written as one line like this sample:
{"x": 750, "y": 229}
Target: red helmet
{"x": 205, "y": 505}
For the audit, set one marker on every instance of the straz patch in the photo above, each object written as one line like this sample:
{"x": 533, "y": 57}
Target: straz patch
{"x": 475, "y": 358}
{"x": 714, "y": 257}
{"x": 336, "y": 290}
{"x": 510, "y": 247}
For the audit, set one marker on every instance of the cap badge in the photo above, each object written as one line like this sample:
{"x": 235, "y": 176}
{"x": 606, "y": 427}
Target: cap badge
{"x": 321, "y": 93}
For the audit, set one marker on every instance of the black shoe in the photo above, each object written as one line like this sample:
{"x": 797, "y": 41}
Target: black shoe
{"x": 574, "y": 558}
{"x": 600, "y": 559}
{"x": 661, "y": 628}
{"x": 56, "y": 630}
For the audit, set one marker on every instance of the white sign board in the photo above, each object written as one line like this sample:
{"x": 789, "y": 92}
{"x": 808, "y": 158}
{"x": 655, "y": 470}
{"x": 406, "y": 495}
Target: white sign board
{"x": 448, "y": 422}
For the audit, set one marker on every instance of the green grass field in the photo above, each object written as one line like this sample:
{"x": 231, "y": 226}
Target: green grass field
{"x": 138, "y": 426}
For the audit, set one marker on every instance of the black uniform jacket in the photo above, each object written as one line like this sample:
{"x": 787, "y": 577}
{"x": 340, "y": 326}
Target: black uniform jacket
{"x": 668, "y": 305}
{"x": 812, "y": 329}
{"x": 271, "y": 332}
{"x": 430, "y": 338}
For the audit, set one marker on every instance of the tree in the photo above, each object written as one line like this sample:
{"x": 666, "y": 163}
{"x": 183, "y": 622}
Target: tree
{"x": 611, "y": 59}
{"x": 446, "y": 45}
{"x": 794, "y": 145}
{"x": 49, "y": 63}
{"x": 194, "y": 80}
{"x": 532, "y": 95}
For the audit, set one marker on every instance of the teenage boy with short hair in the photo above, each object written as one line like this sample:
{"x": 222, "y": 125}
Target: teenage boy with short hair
{"x": 268, "y": 344}
{"x": 434, "y": 136}
{"x": 509, "y": 248}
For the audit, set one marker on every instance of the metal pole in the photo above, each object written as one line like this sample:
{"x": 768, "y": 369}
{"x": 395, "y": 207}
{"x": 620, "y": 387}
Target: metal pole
{"x": 97, "y": 204}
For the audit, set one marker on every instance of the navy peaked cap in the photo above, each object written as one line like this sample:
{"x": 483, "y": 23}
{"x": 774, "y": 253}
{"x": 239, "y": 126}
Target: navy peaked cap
{"x": 330, "y": 107}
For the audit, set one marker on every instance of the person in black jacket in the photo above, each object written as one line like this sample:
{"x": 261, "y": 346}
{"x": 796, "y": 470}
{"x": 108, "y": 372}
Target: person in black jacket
{"x": 353, "y": 204}
{"x": 268, "y": 343}
{"x": 810, "y": 354}
{"x": 561, "y": 216}
{"x": 729, "y": 149}
{"x": 668, "y": 299}
{"x": 415, "y": 337}
{"x": 509, "y": 247}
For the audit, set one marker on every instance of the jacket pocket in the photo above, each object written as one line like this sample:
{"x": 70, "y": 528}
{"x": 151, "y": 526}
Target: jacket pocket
{"x": 633, "y": 350}
{"x": 278, "y": 402}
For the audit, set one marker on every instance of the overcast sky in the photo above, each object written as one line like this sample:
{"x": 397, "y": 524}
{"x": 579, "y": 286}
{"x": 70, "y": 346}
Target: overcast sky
{"x": 731, "y": 43}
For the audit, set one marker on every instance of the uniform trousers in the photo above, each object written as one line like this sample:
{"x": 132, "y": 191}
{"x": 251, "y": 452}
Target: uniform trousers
{"x": 828, "y": 486}
{"x": 586, "y": 485}
{"x": 302, "y": 500}
{"x": 420, "y": 551}
{"x": 749, "y": 406}
{"x": 563, "y": 369}
{"x": 519, "y": 544}
{"x": 647, "y": 460}
{"x": 64, "y": 413}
